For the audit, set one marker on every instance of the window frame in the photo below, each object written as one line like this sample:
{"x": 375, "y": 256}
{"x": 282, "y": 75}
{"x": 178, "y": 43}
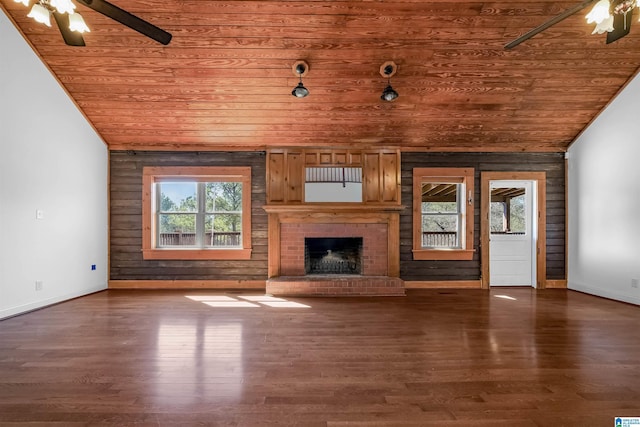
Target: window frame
{"x": 153, "y": 174}
{"x": 464, "y": 176}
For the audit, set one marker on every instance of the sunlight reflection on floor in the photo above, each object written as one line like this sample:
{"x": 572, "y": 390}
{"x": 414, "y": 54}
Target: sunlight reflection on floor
{"x": 246, "y": 301}
{"x": 505, "y": 297}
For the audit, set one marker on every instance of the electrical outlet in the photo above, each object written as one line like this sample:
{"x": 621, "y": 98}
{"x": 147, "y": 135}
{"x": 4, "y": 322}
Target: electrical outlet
{"x": 634, "y": 283}
{"x": 38, "y": 285}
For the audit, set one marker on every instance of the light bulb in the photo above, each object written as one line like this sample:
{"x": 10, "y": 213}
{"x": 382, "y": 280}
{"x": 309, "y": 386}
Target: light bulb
{"x": 40, "y": 14}
{"x": 300, "y": 91}
{"x": 63, "y": 6}
{"x": 599, "y": 13}
{"x": 606, "y": 26}
{"x": 76, "y": 23}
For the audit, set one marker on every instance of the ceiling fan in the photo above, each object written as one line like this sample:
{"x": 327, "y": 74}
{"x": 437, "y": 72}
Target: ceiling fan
{"x": 71, "y": 24}
{"x": 610, "y": 16}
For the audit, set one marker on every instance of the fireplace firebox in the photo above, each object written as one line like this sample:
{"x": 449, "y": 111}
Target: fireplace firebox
{"x": 333, "y": 255}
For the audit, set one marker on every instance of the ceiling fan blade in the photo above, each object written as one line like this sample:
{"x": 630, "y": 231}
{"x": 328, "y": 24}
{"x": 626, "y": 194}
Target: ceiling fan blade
{"x": 553, "y": 21}
{"x": 621, "y": 26}
{"x": 72, "y": 38}
{"x": 114, "y": 12}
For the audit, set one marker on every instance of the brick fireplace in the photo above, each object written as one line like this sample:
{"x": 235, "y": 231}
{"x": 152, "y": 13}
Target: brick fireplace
{"x": 378, "y": 228}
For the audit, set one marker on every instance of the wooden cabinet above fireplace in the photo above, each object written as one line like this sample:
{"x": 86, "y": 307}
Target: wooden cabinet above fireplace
{"x": 286, "y": 170}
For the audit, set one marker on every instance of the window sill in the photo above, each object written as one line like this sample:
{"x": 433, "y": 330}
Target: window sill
{"x": 443, "y": 254}
{"x": 197, "y": 254}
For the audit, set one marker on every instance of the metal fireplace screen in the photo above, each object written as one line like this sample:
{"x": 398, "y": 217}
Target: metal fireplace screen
{"x": 333, "y": 255}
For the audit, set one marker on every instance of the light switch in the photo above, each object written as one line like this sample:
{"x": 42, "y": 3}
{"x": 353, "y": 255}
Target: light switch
{"x": 39, "y": 214}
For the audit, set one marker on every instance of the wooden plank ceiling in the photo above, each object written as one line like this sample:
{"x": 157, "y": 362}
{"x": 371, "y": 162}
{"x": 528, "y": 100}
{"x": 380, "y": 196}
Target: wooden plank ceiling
{"x": 225, "y": 80}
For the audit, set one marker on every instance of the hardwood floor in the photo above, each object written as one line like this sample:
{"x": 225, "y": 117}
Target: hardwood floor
{"x": 508, "y": 357}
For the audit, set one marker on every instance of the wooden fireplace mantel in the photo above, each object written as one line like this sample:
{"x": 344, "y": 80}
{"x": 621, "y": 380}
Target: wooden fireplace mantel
{"x": 333, "y": 208}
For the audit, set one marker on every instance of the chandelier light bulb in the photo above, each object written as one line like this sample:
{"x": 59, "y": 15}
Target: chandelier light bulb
{"x": 24, "y": 2}
{"x": 63, "y": 6}
{"x": 40, "y": 14}
{"x": 599, "y": 13}
{"x": 606, "y": 26}
{"x": 76, "y": 23}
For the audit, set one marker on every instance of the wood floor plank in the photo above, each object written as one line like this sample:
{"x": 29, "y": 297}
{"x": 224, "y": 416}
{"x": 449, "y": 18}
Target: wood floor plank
{"x": 515, "y": 357}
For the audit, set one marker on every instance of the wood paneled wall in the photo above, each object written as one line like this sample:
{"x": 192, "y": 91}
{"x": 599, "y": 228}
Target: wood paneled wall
{"x": 126, "y": 210}
{"x": 552, "y": 163}
{"x": 126, "y": 261}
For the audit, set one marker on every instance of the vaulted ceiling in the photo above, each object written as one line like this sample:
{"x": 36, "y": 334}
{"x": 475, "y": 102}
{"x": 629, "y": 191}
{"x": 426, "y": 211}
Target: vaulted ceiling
{"x": 225, "y": 80}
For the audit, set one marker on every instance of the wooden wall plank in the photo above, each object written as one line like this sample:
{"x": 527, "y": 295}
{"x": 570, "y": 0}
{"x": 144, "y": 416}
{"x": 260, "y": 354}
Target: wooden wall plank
{"x": 225, "y": 80}
{"x": 187, "y": 284}
{"x": 125, "y": 241}
{"x": 552, "y": 164}
{"x": 126, "y": 210}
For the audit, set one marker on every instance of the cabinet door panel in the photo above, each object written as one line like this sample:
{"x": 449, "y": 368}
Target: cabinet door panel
{"x": 389, "y": 177}
{"x": 371, "y": 178}
{"x": 276, "y": 179}
{"x": 295, "y": 177}
{"x": 340, "y": 158}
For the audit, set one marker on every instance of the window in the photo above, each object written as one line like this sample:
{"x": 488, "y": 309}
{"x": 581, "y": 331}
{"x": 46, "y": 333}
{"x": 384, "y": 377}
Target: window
{"x": 508, "y": 211}
{"x": 443, "y": 213}
{"x": 196, "y": 213}
{"x": 333, "y": 184}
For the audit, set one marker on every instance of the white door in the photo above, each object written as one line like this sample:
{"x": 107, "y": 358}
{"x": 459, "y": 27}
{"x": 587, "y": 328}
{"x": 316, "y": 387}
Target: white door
{"x": 512, "y": 233}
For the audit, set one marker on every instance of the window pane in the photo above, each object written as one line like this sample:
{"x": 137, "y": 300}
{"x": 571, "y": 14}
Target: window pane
{"x": 440, "y": 215}
{"x": 498, "y": 219}
{"x": 333, "y": 184}
{"x": 223, "y": 230}
{"x": 439, "y": 197}
{"x": 517, "y": 211}
{"x": 177, "y": 230}
{"x": 213, "y": 190}
{"x": 440, "y": 207}
{"x": 508, "y": 210}
{"x": 224, "y": 197}
{"x": 440, "y": 231}
{"x": 178, "y": 197}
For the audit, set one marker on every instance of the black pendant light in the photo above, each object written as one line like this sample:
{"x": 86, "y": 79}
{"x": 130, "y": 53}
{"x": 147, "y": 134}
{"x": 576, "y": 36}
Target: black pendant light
{"x": 387, "y": 70}
{"x": 300, "y": 69}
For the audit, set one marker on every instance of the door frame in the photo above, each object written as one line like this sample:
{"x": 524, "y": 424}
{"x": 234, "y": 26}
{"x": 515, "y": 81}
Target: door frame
{"x": 540, "y": 179}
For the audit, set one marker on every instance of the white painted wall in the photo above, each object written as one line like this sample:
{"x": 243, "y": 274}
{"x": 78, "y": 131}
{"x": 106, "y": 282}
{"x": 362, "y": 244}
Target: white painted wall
{"x": 51, "y": 160}
{"x": 604, "y": 202}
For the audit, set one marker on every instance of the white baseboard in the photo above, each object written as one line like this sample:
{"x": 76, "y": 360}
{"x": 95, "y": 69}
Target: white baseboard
{"x": 25, "y": 308}
{"x": 603, "y": 293}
